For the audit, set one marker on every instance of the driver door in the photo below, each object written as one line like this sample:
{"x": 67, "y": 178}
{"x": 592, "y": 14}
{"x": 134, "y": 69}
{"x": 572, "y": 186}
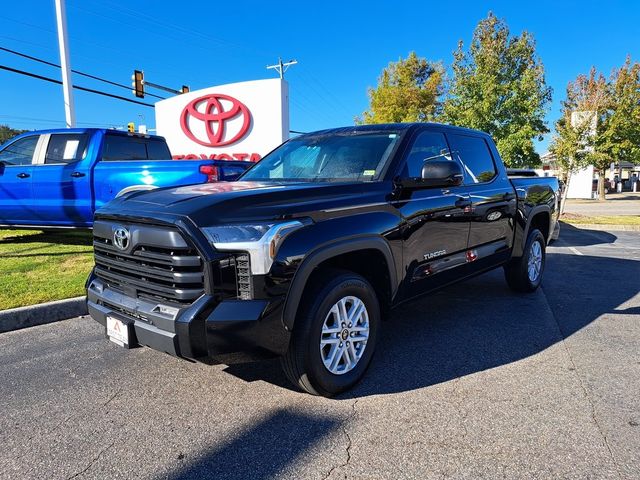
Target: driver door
{"x": 435, "y": 228}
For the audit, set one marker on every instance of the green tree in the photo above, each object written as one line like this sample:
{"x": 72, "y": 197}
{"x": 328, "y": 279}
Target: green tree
{"x": 7, "y": 133}
{"x": 572, "y": 146}
{"x": 619, "y": 132}
{"x": 499, "y": 87}
{"x": 575, "y": 142}
{"x": 408, "y": 90}
{"x": 577, "y": 139}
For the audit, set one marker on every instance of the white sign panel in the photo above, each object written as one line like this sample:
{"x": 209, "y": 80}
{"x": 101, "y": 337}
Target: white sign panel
{"x": 581, "y": 183}
{"x": 238, "y": 121}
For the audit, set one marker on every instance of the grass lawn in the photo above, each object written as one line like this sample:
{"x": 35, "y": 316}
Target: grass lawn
{"x": 601, "y": 220}
{"x": 38, "y": 267}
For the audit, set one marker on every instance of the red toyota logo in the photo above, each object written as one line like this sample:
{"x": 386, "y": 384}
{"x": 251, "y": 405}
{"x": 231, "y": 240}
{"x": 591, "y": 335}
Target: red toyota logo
{"x": 215, "y": 117}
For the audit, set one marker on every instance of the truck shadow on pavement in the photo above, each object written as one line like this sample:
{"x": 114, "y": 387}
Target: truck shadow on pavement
{"x": 571, "y": 236}
{"x": 481, "y": 324}
{"x": 62, "y": 237}
{"x": 262, "y": 451}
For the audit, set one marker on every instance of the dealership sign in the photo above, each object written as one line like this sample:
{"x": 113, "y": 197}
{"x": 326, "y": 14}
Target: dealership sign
{"x": 238, "y": 121}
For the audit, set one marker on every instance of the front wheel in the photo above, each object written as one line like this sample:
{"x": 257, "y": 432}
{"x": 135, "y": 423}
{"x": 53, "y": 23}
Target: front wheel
{"x": 334, "y": 334}
{"x": 524, "y": 274}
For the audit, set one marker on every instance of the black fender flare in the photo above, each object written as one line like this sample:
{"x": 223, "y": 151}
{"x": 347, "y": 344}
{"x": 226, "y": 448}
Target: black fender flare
{"x": 522, "y": 231}
{"x": 325, "y": 252}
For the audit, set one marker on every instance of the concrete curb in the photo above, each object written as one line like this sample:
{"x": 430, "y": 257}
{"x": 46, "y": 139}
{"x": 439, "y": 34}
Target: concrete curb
{"x": 23, "y": 317}
{"x": 604, "y": 228}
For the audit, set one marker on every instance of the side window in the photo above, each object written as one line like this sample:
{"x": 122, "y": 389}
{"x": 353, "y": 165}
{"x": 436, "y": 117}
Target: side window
{"x": 118, "y": 148}
{"x": 66, "y": 148}
{"x": 20, "y": 152}
{"x": 158, "y": 150}
{"x": 427, "y": 146}
{"x": 475, "y": 157}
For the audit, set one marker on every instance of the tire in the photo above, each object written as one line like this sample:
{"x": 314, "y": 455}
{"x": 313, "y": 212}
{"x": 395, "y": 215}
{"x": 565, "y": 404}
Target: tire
{"x": 524, "y": 274}
{"x": 304, "y": 362}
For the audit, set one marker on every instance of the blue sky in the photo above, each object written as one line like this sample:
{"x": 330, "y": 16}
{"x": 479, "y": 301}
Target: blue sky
{"x": 341, "y": 48}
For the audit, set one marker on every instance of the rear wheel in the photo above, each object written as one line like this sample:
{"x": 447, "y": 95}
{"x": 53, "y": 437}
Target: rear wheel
{"x": 334, "y": 335}
{"x": 524, "y": 274}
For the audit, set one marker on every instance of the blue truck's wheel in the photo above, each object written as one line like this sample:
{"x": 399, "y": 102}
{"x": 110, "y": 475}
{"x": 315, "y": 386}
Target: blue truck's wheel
{"x": 524, "y": 274}
{"x": 334, "y": 335}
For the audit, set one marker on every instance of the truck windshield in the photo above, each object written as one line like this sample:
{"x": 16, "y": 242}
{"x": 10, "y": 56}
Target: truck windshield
{"x": 352, "y": 156}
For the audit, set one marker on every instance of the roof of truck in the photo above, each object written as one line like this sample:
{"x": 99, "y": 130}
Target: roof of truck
{"x": 110, "y": 131}
{"x": 394, "y": 127}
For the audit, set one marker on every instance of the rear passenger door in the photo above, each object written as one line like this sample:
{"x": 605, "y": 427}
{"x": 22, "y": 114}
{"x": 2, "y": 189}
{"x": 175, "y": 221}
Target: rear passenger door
{"x": 493, "y": 200}
{"x": 62, "y": 181}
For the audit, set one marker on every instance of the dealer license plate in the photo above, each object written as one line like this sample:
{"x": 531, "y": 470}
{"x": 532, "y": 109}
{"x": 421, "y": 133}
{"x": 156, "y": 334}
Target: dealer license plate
{"x": 117, "y": 331}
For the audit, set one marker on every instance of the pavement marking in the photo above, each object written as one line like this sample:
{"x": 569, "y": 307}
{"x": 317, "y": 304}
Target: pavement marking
{"x": 576, "y": 251}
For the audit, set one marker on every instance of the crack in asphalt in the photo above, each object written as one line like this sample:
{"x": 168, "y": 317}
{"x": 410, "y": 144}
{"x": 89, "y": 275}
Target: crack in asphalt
{"x": 92, "y": 462}
{"x": 585, "y": 392}
{"x": 112, "y": 397}
{"x": 349, "y": 442}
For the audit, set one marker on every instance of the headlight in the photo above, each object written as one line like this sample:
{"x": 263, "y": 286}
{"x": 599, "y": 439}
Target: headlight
{"x": 259, "y": 240}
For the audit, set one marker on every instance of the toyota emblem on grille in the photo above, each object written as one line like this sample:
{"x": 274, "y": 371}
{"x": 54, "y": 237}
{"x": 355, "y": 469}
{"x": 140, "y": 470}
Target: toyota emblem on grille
{"x": 121, "y": 238}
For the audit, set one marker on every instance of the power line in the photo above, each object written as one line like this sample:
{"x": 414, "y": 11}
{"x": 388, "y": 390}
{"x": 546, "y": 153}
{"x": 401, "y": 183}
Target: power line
{"x": 84, "y": 41}
{"x": 49, "y": 47}
{"x": 166, "y": 27}
{"x": 77, "y": 87}
{"x": 40, "y": 60}
{"x": 21, "y": 119}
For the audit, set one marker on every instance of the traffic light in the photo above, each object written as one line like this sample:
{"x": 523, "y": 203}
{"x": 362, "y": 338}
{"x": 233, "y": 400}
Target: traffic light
{"x": 185, "y": 89}
{"x": 138, "y": 83}
{"x": 131, "y": 127}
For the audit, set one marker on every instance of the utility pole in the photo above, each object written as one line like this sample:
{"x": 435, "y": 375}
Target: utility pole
{"x": 69, "y": 108}
{"x": 282, "y": 67}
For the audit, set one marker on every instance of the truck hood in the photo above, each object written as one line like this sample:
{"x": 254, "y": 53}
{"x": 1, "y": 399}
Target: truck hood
{"x": 225, "y": 202}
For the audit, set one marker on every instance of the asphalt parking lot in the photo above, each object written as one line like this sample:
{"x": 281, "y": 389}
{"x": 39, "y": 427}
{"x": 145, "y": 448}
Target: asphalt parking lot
{"x": 473, "y": 382}
{"x": 627, "y": 203}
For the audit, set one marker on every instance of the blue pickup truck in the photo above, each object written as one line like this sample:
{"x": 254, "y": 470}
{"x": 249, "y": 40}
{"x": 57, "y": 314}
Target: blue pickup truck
{"x": 58, "y": 178}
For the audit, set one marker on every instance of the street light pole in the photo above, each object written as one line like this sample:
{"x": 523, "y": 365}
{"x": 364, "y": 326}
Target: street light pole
{"x": 282, "y": 67}
{"x": 65, "y": 63}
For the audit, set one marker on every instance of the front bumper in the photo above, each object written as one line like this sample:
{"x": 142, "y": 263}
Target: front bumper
{"x": 204, "y": 330}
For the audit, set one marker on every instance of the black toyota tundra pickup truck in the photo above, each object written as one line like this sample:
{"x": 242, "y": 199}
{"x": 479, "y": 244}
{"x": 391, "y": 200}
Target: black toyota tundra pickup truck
{"x": 309, "y": 250}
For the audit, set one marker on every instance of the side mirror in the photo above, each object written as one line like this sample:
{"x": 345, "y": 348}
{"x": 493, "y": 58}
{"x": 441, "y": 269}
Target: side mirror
{"x": 442, "y": 173}
{"x": 435, "y": 173}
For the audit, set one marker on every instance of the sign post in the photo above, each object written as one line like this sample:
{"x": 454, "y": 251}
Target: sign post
{"x": 65, "y": 63}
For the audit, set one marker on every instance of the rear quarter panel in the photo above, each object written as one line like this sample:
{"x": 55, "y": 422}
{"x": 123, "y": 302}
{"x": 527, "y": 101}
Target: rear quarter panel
{"x": 535, "y": 195}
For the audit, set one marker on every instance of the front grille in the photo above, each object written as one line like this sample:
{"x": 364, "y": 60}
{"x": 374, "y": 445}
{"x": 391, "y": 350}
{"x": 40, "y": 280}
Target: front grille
{"x": 159, "y": 264}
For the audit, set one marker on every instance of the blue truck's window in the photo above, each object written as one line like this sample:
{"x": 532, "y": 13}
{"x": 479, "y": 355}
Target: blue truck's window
{"x": 475, "y": 157}
{"x": 117, "y": 148}
{"x": 20, "y": 152}
{"x": 427, "y": 146}
{"x": 158, "y": 150}
{"x": 121, "y": 148}
{"x": 66, "y": 148}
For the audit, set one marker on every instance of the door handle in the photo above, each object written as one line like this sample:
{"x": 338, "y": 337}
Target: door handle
{"x": 23, "y": 175}
{"x": 463, "y": 203}
{"x": 78, "y": 174}
{"x": 509, "y": 196}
